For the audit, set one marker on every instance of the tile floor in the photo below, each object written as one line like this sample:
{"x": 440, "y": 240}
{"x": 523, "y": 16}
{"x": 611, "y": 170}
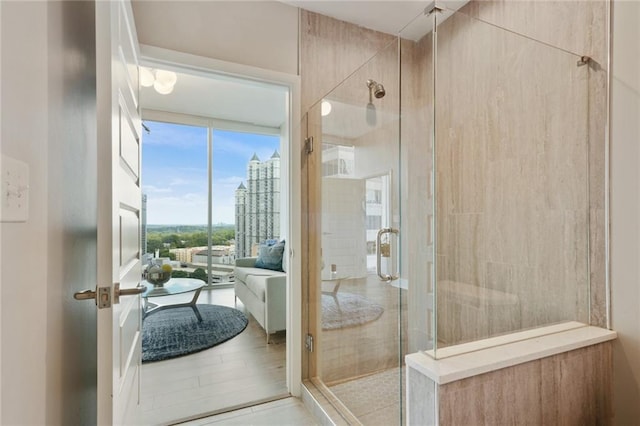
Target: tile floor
{"x": 373, "y": 399}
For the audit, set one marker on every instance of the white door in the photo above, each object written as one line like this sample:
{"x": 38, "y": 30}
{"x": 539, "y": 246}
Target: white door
{"x": 119, "y": 203}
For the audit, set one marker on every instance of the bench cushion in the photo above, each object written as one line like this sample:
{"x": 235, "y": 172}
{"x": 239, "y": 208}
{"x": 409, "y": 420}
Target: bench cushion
{"x": 242, "y": 273}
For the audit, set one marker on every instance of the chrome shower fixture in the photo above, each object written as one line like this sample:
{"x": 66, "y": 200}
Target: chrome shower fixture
{"x": 375, "y": 89}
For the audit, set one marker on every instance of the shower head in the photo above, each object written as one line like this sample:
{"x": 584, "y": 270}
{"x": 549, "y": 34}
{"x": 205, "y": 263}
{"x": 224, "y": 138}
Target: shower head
{"x": 376, "y": 89}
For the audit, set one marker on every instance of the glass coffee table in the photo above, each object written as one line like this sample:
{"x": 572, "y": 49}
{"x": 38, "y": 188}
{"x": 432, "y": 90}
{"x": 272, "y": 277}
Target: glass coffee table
{"x": 170, "y": 288}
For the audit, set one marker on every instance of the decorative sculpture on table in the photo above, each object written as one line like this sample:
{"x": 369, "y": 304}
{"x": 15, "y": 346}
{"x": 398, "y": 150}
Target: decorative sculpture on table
{"x": 158, "y": 275}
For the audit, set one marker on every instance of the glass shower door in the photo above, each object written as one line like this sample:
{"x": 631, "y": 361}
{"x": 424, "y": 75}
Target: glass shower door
{"x": 355, "y": 301}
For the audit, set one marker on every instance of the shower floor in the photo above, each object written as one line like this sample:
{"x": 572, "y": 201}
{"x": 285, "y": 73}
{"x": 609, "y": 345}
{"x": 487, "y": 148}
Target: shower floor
{"x": 373, "y": 399}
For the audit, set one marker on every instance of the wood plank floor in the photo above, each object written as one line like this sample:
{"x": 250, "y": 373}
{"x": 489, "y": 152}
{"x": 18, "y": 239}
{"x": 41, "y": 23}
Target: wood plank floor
{"x": 238, "y": 373}
{"x": 284, "y": 412}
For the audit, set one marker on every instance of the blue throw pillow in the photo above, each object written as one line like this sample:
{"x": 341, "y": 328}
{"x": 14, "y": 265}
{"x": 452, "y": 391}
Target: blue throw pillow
{"x": 270, "y": 257}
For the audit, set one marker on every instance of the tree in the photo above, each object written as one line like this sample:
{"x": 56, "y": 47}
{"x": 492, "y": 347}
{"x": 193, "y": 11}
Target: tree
{"x": 167, "y": 253}
{"x": 179, "y": 274}
{"x": 194, "y": 236}
{"x": 154, "y": 242}
{"x": 173, "y": 239}
{"x": 198, "y": 239}
{"x": 200, "y": 274}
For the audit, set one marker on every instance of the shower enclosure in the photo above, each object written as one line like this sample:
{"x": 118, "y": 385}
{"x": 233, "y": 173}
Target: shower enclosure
{"x": 455, "y": 194}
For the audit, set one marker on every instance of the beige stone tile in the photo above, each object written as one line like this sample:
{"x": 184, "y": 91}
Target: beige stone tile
{"x": 598, "y": 268}
{"x": 572, "y": 388}
{"x": 545, "y": 21}
{"x": 330, "y": 51}
{"x": 577, "y": 386}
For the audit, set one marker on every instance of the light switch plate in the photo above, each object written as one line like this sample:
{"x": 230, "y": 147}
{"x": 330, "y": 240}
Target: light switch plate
{"x": 14, "y": 198}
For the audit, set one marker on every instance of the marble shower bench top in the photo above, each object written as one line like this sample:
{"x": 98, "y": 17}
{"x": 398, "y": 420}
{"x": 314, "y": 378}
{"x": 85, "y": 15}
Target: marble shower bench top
{"x": 471, "y": 359}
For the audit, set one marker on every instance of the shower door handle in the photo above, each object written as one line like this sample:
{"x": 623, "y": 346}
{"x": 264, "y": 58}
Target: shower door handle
{"x": 381, "y": 232}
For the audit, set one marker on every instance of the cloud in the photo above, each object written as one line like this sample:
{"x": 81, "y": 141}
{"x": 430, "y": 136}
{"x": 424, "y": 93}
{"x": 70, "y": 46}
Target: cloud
{"x": 191, "y": 207}
{"x": 167, "y": 134}
{"x": 230, "y": 180}
{"x": 241, "y": 147}
{"x": 171, "y": 177}
{"x": 188, "y": 208}
{"x": 150, "y": 189}
{"x": 177, "y": 190}
{"x": 179, "y": 181}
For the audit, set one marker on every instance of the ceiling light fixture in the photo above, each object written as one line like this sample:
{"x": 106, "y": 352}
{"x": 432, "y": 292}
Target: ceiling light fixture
{"x": 325, "y": 108}
{"x": 161, "y": 80}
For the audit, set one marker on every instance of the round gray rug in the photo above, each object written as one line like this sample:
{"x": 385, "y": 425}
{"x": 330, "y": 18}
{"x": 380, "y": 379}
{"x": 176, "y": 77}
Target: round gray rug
{"x": 176, "y": 332}
{"x": 348, "y": 310}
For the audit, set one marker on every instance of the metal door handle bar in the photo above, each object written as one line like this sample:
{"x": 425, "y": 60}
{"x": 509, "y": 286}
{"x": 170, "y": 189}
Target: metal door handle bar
{"x": 101, "y": 296}
{"x": 117, "y": 293}
{"x": 381, "y": 232}
{"x": 85, "y": 295}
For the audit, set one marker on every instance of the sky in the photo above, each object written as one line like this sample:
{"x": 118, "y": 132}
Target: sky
{"x": 174, "y": 171}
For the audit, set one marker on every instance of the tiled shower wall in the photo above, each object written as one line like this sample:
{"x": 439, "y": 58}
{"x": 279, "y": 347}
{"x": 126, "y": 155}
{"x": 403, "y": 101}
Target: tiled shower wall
{"x": 492, "y": 232}
{"x": 348, "y": 353}
{"x": 330, "y": 50}
{"x": 520, "y": 134}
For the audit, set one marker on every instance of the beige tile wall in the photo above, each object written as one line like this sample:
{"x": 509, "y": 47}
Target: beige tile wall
{"x": 357, "y": 351}
{"x": 417, "y": 197}
{"x": 520, "y": 135}
{"x": 572, "y": 388}
{"x": 330, "y": 50}
{"x": 579, "y": 27}
{"x": 515, "y": 197}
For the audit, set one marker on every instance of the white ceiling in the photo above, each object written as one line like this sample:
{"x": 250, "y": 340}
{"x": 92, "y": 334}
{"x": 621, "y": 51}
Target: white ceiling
{"x": 387, "y": 16}
{"x": 228, "y": 98}
{"x": 221, "y": 97}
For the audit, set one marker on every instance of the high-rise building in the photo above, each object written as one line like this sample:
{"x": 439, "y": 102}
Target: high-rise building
{"x": 258, "y": 204}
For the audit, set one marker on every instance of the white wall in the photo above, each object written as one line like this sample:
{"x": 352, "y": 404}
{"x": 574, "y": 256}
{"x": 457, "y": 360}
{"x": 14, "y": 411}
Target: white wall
{"x": 262, "y": 34}
{"x": 71, "y": 213}
{"x": 24, "y": 137}
{"x": 253, "y": 38}
{"x": 0, "y": 226}
{"x": 625, "y": 209}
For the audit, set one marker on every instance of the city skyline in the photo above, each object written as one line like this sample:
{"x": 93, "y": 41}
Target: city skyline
{"x": 174, "y": 171}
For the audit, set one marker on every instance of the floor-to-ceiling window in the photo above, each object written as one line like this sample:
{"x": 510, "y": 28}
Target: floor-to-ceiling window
{"x": 209, "y": 196}
{"x": 212, "y": 193}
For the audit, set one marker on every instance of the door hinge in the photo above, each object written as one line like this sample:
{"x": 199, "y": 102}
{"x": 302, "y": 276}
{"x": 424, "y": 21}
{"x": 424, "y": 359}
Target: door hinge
{"x": 308, "y": 342}
{"x": 308, "y": 145}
